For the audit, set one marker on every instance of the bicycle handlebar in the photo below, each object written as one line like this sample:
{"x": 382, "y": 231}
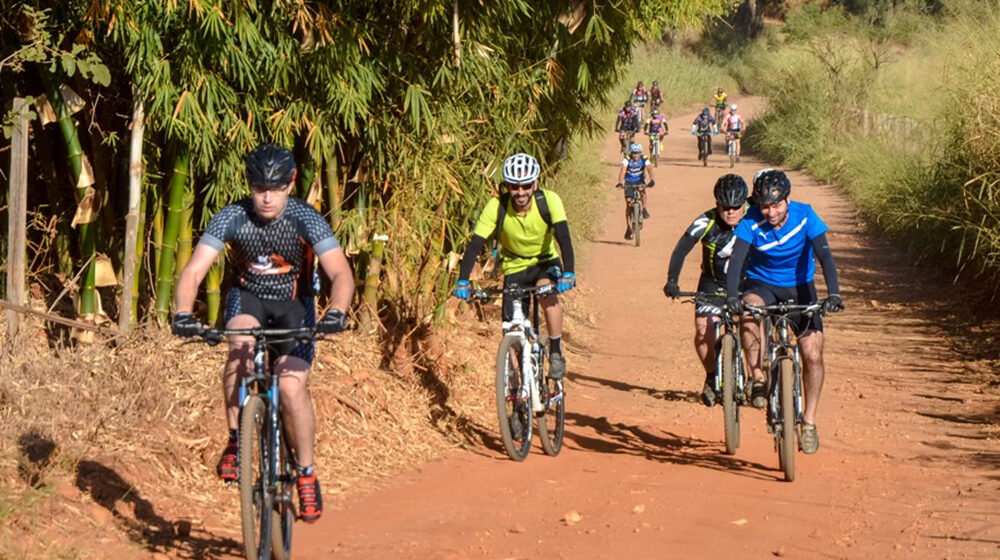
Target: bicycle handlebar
{"x": 785, "y": 308}
{"x": 515, "y": 291}
{"x": 301, "y": 334}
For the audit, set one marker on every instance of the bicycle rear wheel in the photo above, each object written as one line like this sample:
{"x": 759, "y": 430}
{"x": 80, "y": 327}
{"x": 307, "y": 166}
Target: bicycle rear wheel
{"x": 731, "y": 149}
{"x": 256, "y": 505}
{"x": 786, "y": 396}
{"x": 513, "y": 408}
{"x": 636, "y": 220}
{"x": 551, "y": 423}
{"x": 730, "y": 414}
{"x": 284, "y": 507}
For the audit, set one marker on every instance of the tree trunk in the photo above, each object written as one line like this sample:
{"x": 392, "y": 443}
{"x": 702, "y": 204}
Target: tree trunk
{"x": 171, "y": 231}
{"x": 132, "y": 253}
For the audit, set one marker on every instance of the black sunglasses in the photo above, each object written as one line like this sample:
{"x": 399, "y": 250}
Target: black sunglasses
{"x": 513, "y": 187}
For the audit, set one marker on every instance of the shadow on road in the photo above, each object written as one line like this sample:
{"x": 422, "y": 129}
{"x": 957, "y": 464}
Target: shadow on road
{"x": 665, "y": 394}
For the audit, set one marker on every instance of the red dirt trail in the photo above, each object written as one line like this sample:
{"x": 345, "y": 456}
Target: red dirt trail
{"x": 908, "y": 460}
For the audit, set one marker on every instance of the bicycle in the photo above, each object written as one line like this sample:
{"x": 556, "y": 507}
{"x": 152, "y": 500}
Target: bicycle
{"x": 626, "y": 137}
{"x": 781, "y": 360}
{"x": 634, "y": 207}
{"x": 704, "y": 145}
{"x": 523, "y": 391}
{"x": 654, "y": 147}
{"x": 731, "y": 147}
{"x": 267, "y": 476}
{"x": 719, "y": 111}
{"x": 730, "y": 374}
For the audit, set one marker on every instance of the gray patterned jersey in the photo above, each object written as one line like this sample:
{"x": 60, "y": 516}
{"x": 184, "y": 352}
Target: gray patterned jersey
{"x": 272, "y": 260}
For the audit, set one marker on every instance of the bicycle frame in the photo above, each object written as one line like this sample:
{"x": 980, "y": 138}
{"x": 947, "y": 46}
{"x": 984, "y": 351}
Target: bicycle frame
{"x": 525, "y": 330}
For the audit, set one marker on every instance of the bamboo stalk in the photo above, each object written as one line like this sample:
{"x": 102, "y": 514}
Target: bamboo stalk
{"x": 333, "y": 191}
{"x": 131, "y": 255}
{"x": 17, "y": 212}
{"x": 81, "y": 180}
{"x": 171, "y": 231}
{"x": 140, "y": 253}
{"x": 372, "y": 278}
{"x": 213, "y": 294}
{"x": 186, "y": 233}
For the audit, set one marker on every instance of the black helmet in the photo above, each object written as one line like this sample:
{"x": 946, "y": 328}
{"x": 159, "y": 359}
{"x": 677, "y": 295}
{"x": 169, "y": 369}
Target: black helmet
{"x": 731, "y": 191}
{"x": 270, "y": 164}
{"x": 628, "y": 103}
{"x": 770, "y": 186}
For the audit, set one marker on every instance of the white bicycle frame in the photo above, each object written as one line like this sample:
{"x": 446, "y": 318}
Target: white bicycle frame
{"x": 521, "y": 328}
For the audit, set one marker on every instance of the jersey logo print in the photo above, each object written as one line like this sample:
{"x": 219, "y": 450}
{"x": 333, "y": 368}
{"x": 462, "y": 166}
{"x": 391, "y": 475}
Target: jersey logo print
{"x": 784, "y": 238}
{"x": 698, "y": 225}
{"x": 727, "y": 250}
{"x": 273, "y": 264}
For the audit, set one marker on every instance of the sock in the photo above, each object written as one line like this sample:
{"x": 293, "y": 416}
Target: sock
{"x": 305, "y": 471}
{"x": 555, "y": 344}
{"x": 233, "y": 436}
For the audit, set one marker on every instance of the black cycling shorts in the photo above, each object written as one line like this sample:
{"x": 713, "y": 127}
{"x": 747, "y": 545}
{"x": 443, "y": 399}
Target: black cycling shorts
{"x": 274, "y": 314}
{"x": 803, "y": 294}
{"x": 713, "y": 306}
{"x": 551, "y": 269}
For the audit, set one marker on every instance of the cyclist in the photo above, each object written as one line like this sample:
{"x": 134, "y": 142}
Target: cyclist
{"x": 714, "y": 230}
{"x": 655, "y": 94}
{"x": 632, "y": 177}
{"x": 528, "y": 222}
{"x": 640, "y": 96}
{"x": 734, "y": 125}
{"x": 720, "y": 102}
{"x": 656, "y": 124}
{"x": 782, "y": 238}
{"x": 703, "y": 126}
{"x": 627, "y": 124}
{"x": 272, "y": 240}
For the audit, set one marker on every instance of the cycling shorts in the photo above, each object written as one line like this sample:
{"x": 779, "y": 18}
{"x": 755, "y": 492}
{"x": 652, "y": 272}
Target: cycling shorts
{"x": 803, "y": 294}
{"x": 632, "y": 190}
{"x": 713, "y": 306}
{"x": 735, "y": 133}
{"x": 276, "y": 314}
{"x": 551, "y": 269}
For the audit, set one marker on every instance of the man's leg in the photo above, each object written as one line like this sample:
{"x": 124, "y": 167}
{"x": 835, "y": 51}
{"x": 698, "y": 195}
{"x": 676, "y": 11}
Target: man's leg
{"x": 628, "y": 219}
{"x": 811, "y": 347}
{"x": 704, "y": 346}
{"x": 238, "y": 364}
{"x": 642, "y": 197}
{"x": 296, "y": 406}
{"x": 553, "y": 324}
{"x": 750, "y": 334}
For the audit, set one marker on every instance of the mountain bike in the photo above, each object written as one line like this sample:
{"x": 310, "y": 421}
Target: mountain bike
{"x": 719, "y": 111}
{"x": 704, "y": 146}
{"x": 626, "y": 138}
{"x": 731, "y": 148}
{"x": 730, "y": 374}
{"x": 523, "y": 391}
{"x": 654, "y": 147}
{"x": 267, "y": 474}
{"x": 634, "y": 208}
{"x": 780, "y": 359}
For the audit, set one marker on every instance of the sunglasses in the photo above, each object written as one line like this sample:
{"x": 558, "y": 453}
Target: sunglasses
{"x": 261, "y": 188}
{"x": 512, "y": 187}
{"x": 731, "y": 208}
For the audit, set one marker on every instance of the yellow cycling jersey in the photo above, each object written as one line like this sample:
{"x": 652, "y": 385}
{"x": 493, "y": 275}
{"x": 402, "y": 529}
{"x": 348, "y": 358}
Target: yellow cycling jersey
{"x": 720, "y": 99}
{"x": 525, "y": 240}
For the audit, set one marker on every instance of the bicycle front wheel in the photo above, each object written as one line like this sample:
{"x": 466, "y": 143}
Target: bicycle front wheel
{"x": 513, "y": 406}
{"x": 732, "y": 153}
{"x": 786, "y": 443}
{"x": 730, "y": 414}
{"x": 551, "y": 423}
{"x": 256, "y": 504}
{"x": 636, "y": 221}
{"x": 284, "y": 506}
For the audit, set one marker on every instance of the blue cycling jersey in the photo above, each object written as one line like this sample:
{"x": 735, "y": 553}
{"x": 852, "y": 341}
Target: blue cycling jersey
{"x": 782, "y": 257}
{"x": 634, "y": 170}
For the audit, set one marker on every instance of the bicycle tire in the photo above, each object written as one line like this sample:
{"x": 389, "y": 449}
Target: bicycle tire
{"x": 552, "y": 438}
{"x": 786, "y": 443}
{"x": 511, "y": 404}
{"x": 730, "y": 415}
{"x": 731, "y": 148}
{"x": 284, "y": 507}
{"x": 257, "y": 515}
{"x": 636, "y": 221}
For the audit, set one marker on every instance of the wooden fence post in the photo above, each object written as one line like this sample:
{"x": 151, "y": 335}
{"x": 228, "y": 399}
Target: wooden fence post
{"x": 132, "y": 218}
{"x": 17, "y": 214}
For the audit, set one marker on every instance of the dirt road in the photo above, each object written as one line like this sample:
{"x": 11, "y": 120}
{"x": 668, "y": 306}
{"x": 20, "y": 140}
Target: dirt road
{"x": 908, "y": 460}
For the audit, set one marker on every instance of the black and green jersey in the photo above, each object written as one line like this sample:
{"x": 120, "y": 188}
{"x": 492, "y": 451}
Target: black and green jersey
{"x": 717, "y": 242}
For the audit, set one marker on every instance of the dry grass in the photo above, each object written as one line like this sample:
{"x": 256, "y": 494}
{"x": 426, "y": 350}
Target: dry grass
{"x": 135, "y": 430}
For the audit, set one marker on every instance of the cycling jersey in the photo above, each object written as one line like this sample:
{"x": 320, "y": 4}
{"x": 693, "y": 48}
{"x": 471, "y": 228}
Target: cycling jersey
{"x": 635, "y": 171}
{"x": 734, "y": 122}
{"x": 782, "y": 257}
{"x": 639, "y": 96}
{"x": 628, "y": 120}
{"x": 717, "y": 242}
{"x": 720, "y": 100}
{"x": 656, "y": 95}
{"x": 703, "y": 123}
{"x": 658, "y": 124}
{"x": 272, "y": 260}
{"x": 525, "y": 240}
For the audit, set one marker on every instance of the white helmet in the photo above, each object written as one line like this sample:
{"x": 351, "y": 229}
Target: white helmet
{"x": 635, "y": 148}
{"x": 732, "y": 107}
{"x": 521, "y": 169}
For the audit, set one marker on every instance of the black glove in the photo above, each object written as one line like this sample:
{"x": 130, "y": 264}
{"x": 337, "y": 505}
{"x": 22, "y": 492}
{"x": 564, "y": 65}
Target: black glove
{"x": 619, "y": 185}
{"x": 650, "y": 184}
{"x": 734, "y": 306}
{"x": 332, "y": 323}
{"x": 185, "y": 324}
{"x": 833, "y": 303}
{"x": 672, "y": 290}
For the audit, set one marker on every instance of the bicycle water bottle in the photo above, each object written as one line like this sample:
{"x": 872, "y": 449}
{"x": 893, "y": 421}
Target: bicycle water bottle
{"x": 537, "y": 375}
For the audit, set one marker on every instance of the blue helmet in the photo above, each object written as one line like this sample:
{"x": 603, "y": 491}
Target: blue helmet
{"x": 706, "y": 112}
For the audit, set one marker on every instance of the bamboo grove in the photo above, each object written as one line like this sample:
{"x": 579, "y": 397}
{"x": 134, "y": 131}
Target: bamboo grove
{"x": 399, "y": 113}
